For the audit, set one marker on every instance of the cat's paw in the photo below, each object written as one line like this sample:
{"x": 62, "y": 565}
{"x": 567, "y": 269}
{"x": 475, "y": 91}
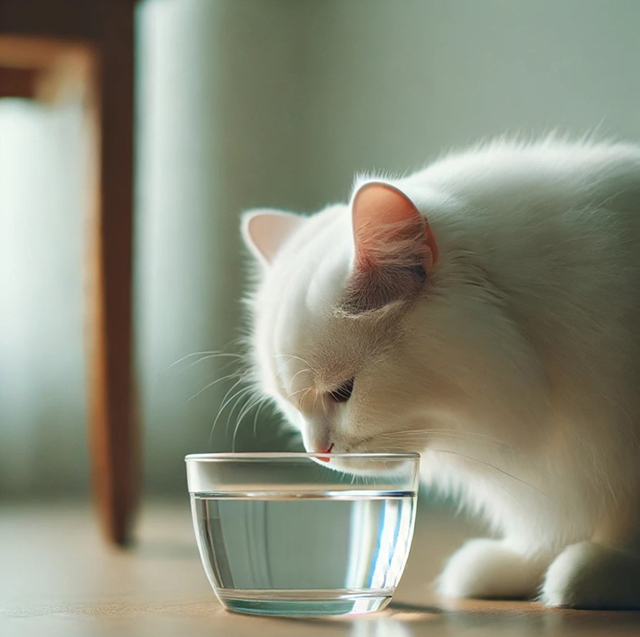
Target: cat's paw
{"x": 590, "y": 575}
{"x": 489, "y": 569}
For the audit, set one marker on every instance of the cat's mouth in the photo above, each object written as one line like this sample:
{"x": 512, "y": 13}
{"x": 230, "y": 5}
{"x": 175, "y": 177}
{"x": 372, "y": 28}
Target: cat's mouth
{"x": 328, "y": 451}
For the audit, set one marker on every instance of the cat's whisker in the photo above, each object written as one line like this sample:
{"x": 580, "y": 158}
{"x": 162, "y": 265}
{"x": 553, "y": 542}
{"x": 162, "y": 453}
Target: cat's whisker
{"x": 243, "y": 393}
{"x": 215, "y": 382}
{"x": 325, "y": 407}
{"x": 250, "y": 404}
{"x": 420, "y": 434}
{"x": 223, "y": 405}
{"x": 205, "y": 355}
{"x": 264, "y": 402}
{"x": 235, "y": 361}
{"x": 491, "y": 466}
{"x": 306, "y": 362}
{"x": 306, "y": 393}
{"x": 301, "y": 371}
{"x": 467, "y": 435}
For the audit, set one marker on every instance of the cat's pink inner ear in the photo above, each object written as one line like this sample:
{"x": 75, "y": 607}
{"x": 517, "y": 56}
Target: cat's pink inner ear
{"x": 385, "y": 221}
{"x": 264, "y": 232}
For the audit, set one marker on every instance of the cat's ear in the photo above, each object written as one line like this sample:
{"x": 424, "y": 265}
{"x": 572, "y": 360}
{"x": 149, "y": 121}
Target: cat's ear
{"x": 264, "y": 231}
{"x": 394, "y": 248}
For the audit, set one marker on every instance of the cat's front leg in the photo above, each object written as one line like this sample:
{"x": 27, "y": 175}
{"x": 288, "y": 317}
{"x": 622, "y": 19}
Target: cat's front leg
{"x": 485, "y": 568}
{"x": 590, "y": 575}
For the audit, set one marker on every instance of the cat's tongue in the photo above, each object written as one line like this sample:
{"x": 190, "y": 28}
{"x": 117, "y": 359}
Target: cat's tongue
{"x": 326, "y": 458}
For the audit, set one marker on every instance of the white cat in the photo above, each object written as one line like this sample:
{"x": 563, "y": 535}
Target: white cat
{"x": 484, "y": 311}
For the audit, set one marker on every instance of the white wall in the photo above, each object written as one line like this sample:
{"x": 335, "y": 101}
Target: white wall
{"x": 395, "y": 83}
{"x": 262, "y": 102}
{"x": 42, "y": 432}
{"x": 221, "y": 94}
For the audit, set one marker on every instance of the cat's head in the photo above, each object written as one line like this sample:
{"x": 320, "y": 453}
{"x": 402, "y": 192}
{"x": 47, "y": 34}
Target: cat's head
{"x": 366, "y": 334}
{"x": 328, "y": 331}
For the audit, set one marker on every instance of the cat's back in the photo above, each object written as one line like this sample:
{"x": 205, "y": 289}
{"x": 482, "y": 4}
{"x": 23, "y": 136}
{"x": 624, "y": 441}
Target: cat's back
{"x": 550, "y": 168}
{"x": 511, "y": 199}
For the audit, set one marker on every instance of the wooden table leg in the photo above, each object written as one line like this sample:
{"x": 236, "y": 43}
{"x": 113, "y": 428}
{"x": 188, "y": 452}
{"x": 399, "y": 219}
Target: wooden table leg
{"x": 93, "y": 42}
{"x": 114, "y": 433}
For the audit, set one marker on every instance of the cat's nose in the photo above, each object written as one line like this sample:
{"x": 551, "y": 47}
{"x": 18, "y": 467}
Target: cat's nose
{"x": 316, "y": 435}
{"x": 321, "y": 444}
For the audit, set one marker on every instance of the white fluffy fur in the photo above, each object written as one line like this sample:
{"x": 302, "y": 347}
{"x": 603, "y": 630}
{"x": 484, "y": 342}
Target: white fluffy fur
{"x": 516, "y": 372}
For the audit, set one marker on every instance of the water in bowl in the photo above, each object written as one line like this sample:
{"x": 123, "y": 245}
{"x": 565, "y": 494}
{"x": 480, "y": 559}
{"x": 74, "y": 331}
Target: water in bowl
{"x": 310, "y": 554}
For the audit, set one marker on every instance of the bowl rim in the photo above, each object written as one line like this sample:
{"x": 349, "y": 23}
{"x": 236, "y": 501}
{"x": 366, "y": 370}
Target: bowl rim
{"x": 229, "y": 456}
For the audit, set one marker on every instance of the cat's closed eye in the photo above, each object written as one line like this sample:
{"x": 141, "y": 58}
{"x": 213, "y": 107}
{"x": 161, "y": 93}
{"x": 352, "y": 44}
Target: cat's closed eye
{"x": 343, "y": 393}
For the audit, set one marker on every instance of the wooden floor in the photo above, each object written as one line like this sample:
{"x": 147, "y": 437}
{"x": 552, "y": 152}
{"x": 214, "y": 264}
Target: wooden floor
{"x": 58, "y": 578}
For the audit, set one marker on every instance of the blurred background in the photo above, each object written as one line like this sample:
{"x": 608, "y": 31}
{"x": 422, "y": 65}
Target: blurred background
{"x": 243, "y": 103}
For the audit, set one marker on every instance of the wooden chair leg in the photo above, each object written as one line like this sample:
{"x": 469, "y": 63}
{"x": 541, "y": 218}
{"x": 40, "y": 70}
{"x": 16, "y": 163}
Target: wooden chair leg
{"x": 114, "y": 433}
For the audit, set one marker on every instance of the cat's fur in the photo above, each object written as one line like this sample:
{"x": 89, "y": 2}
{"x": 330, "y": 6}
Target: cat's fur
{"x": 502, "y": 340}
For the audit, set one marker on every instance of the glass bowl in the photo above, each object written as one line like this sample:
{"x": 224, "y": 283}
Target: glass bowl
{"x": 286, "y": 534}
